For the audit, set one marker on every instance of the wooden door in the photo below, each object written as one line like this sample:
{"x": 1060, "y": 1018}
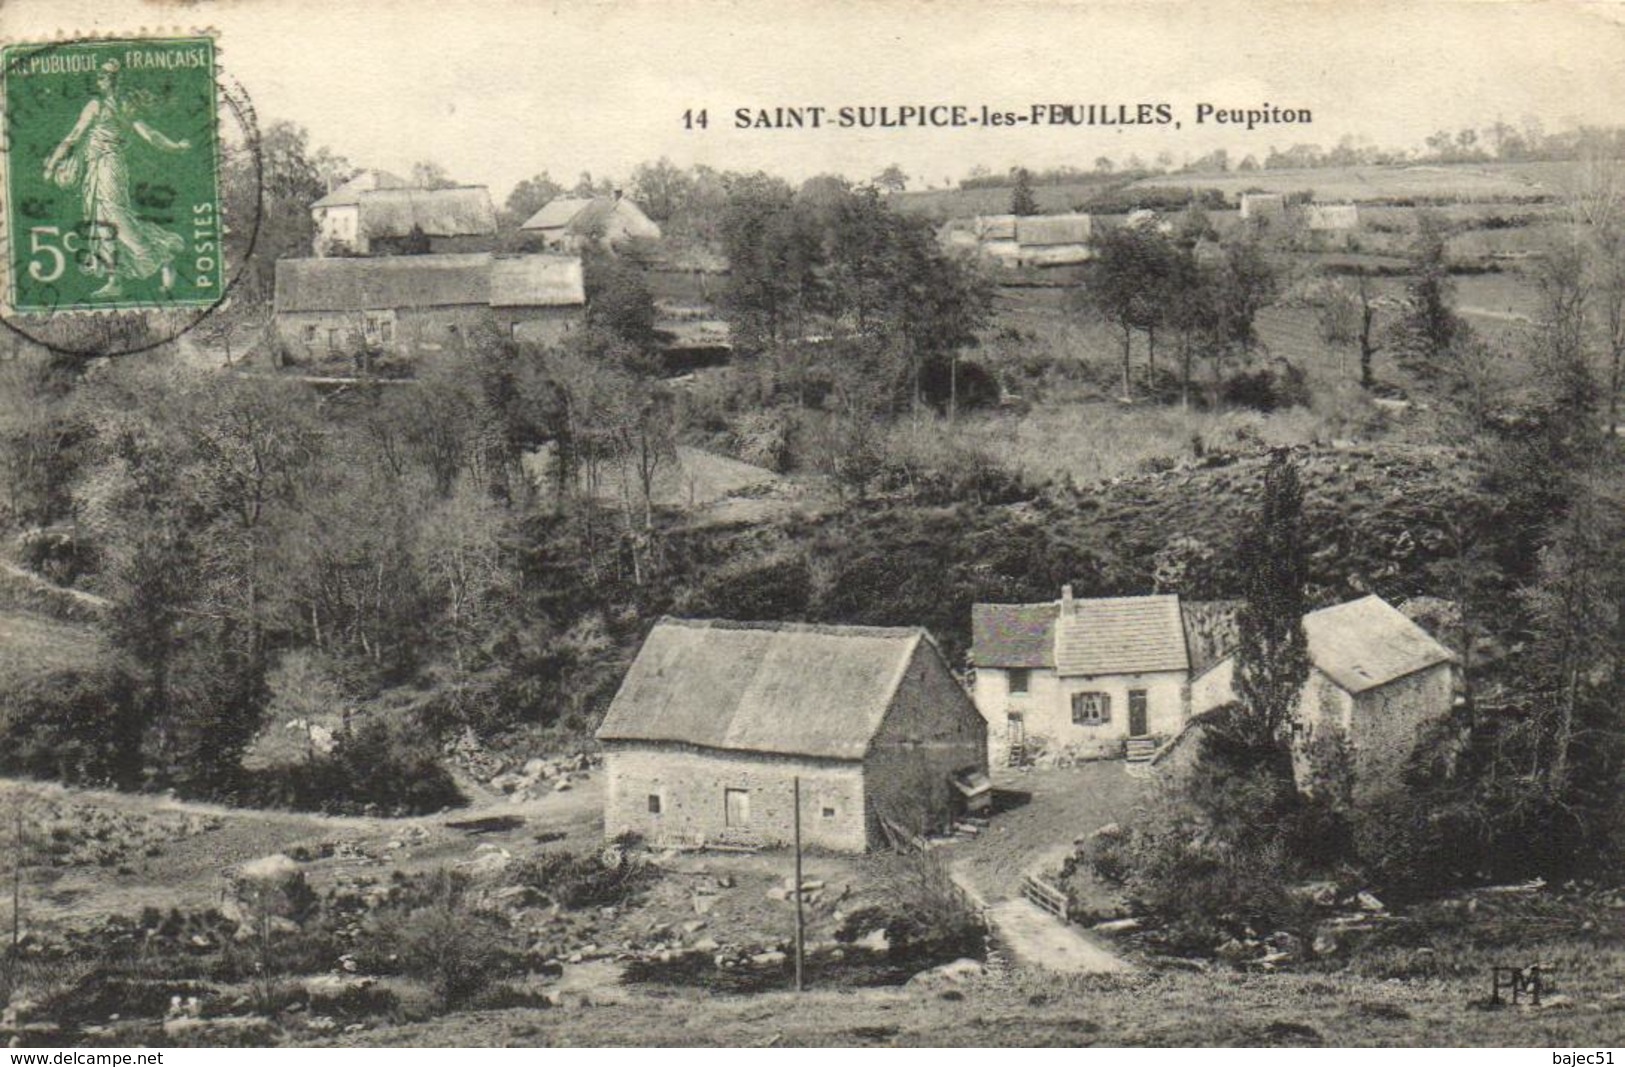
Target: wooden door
{"x": 736, "y": 807}
{"x": 1137, "y": 717}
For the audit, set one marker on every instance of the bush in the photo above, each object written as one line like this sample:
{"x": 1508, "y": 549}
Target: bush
{"x": 578, "y": 880}
{"x": 71, "y": 726}
{"x": 927, "y": 918}
{"x": 381, "y": 766}
{"x": 1267, "y": 389}
{"x": 442, "y": 940}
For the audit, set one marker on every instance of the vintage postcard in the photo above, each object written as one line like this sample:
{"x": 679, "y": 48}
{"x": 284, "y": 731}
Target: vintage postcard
{"x": 760, "y": 523}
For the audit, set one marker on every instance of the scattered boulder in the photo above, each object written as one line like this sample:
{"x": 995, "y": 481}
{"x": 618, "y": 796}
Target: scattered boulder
{"x": 1368, "y": 902}
{"x": 1325, "y": 943}
{"x": 1117, "y": 926}
{"x": 948, "y": 975}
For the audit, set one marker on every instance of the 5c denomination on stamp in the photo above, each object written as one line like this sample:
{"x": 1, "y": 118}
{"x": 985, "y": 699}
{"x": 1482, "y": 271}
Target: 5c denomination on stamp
{"x": 112, "y": 168}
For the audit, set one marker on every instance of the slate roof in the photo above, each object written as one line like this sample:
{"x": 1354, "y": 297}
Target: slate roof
{"x": 1121, "y": 635}
{"x": 1111, "y": 635}
{"x": 782, "y": 688}
{"x": 461, "y": 211}
{"x": 1368, "y": 642}
{"x": 443, "y": 280}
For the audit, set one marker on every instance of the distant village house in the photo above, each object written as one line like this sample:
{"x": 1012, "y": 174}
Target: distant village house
{"x": 1262, "y": 205}
{"x": 715, "y": 721}
{"x": 571, "y": 223}
{"x": 1023, "y": 240}
{"x": 330, "y": 308}
{"x": 377, "y": 213}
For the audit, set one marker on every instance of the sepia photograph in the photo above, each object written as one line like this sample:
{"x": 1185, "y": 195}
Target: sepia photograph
{"x": 754, "y": 523}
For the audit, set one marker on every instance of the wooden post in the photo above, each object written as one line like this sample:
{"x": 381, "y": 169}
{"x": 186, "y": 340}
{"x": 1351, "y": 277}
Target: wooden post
{"x": 17, "y": 888}
{"x": 800, "y": 918}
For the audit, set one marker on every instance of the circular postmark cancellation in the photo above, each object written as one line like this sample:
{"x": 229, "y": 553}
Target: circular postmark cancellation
{"x": 121, "y": 216}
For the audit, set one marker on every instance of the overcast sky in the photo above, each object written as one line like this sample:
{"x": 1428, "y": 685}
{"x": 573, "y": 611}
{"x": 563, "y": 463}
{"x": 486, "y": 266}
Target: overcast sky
{"x": 496, "y": 90}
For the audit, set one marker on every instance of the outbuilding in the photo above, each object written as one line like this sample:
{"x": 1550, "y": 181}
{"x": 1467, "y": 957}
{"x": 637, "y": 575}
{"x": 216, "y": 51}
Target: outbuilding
{"x": 716, "y": 721}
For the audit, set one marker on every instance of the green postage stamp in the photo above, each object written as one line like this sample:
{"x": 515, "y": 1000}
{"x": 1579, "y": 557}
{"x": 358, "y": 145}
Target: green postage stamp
{"x": 112, "y": 174}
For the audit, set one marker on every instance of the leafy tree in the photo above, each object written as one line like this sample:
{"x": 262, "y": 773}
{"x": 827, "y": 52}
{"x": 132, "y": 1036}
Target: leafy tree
{"x": 661, "y": 188}
{"x": 529, "y": 197}
{"x": 892, "y": 179}
{"x": 1272, "y": 651}
{"x": 427, "y": 174}
{"x": 1429, "y": 324}
{"x": 1129, "y": 282}
{"x": 620, "y": 302}
{"x": 1022, "y": 200}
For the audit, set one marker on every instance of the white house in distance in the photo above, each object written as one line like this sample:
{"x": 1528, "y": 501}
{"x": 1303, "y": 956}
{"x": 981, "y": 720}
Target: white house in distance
{"x": 376, "y": 211}
{"x": 1262, "y": 205}
{"x": 1374, "y": 675}
{"x": 566, "y": 223}
{"x": 715, "y": 721}
{"x": 1090, "y": 678}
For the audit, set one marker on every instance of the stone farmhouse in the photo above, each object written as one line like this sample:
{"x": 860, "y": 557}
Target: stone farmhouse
{"x": 1089, "y": 678}
{"x": 1262, "y": 205}
{"x": 569, "y": 223}
{"x": 345, "y": 307}
{"x": 1023, "y": 240}
{"x": 378, "y": 213}
{"x": 1331, "y": 218}
{"x": 716, "y": 720}
{"x": 1375, "y": 676}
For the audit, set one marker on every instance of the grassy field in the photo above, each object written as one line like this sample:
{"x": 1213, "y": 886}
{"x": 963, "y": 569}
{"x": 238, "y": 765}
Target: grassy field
{"x": 32, "y": 645}
{"x": 1035, "y": 1008}
{"x": 1462, "y": 182}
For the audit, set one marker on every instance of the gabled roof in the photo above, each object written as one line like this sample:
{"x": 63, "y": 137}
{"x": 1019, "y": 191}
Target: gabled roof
{"x": 444, "y": 280}
{"x": 1111, "y": 635}
{"x": 1368, "y": 642}
{"x": 463, "y": 210}
{"x": 583, "y": 215}
{"x": 1121, "y": 635}
{"x": 350, "y": 192}
{"x": 1013, "y": 635}
{"x": 537, "y": 281}
{"x": 782, "y": 688}
{"x": 1042, "y": 230}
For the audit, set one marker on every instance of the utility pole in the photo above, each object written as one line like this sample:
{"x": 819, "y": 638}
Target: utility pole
{"x": 800, "y": 918}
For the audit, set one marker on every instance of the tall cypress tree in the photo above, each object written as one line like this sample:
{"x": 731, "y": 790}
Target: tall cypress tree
{"x": 1272, "y": 654}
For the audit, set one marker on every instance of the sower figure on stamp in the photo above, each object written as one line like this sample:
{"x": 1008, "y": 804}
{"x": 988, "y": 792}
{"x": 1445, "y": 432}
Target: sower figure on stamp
{"x": 92, "y": 155}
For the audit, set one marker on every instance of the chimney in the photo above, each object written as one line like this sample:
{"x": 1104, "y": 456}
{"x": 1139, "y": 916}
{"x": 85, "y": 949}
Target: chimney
{"x": 1067, "y": 606}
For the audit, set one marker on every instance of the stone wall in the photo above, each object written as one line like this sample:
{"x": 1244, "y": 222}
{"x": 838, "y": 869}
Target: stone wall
{"x": 931, "y": 731}
{"x": 691, "y": 785}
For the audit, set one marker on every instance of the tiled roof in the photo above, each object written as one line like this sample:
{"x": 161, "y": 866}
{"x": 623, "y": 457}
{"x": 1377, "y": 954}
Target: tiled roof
{"x": 1121, "y": 635}
{"x": 780, "y": 688}
{"x": 350, "y": 192}
{"x": 1367, "y": 642}
{"x": 1112, "y": 635}
{"x": 1013, "y": 635}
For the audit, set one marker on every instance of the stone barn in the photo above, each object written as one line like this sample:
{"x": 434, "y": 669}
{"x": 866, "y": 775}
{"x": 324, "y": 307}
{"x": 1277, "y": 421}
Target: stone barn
{"x": 1262, "y": 205}
{"x": 715, "y": 720}
{"x": 1375, "y": 677}
{"x": 340, "y": 308}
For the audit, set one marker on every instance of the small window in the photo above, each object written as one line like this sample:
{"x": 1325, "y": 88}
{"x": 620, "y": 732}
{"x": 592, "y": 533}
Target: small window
{"x": 736, "y": 807}
{"x": 1299, "y": 731}
{"x": 1091, "y": 709}
{"x": 829, "y": 813}
{"x": 654, "y": 803}
{"x": 310, "y": 333}
{"x": 1021, "y": 680}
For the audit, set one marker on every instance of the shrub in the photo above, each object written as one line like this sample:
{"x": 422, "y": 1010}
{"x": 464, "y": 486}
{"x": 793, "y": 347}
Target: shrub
{"x": 577, "y": 880}
{"x": 72, "y": 726}
{"x": 927, "y": 918}
{"x": 441, "y": 939}
{"x": 381, "y": 765}
{"x": 1266, "y": 388}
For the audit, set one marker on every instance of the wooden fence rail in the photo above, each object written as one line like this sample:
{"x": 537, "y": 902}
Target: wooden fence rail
{"x": 1051, "y": 898}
